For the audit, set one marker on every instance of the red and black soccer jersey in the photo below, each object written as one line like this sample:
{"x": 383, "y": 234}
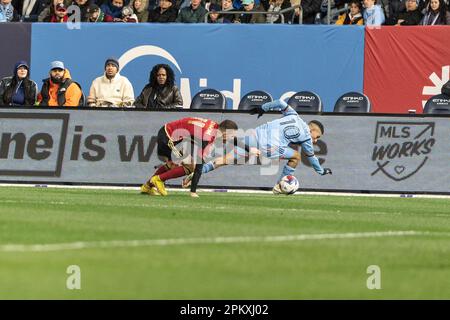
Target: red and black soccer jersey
{"x": 197, "y": 129}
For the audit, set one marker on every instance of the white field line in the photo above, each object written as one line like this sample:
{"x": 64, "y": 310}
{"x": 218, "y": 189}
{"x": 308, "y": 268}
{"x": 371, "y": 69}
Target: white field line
{"x": 216, "y": 240}
{"x": 224, "y": 190}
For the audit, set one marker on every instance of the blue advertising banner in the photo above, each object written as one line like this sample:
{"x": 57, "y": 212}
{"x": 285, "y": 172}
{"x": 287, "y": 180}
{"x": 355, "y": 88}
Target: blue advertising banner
{"x": 16, "y": 42}
{"x": 235, "y": 59}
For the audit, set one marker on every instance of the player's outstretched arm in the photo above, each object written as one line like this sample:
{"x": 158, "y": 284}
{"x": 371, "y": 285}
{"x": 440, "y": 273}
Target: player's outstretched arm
{"x": 309, "y": 151}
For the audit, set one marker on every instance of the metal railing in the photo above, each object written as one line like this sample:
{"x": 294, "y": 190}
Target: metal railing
{"x": 279, "y": 13}
{"x": 230, "y": 12}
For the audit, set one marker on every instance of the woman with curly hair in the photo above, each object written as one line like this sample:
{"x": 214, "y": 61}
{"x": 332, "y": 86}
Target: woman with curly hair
{"x": 161, "y": 92}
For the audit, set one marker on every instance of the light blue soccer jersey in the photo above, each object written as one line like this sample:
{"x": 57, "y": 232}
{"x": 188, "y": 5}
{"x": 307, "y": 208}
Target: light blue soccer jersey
{"x": 273, "y": 138}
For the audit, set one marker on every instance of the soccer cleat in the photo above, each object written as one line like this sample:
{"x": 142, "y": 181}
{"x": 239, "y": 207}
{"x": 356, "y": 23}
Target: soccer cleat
{"x": 276, "y": 189}
{"x": 159, "y": 184}
{"x": 145, "y": 189}
{"x": 186, "y": 183}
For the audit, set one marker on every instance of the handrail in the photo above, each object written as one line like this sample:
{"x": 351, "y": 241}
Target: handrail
{"x": 300, "y": 18}
{"x": 246, "y": 12}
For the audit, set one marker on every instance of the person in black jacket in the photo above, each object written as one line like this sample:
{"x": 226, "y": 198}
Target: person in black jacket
{"x": 165, "y": 12}
{"x": 310, "y": 9}
{"x": 161, "y": 92}
{"x": 412, "y": 15}
{"x": 18, "y": 89}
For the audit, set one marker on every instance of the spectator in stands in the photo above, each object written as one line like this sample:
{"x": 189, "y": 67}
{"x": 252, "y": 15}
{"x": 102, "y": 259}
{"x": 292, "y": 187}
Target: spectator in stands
{"x": 128, "y": 15}
{"x": 227, "y": 5}
{"x": 83, "y": 5}
{"x": 165, "y": 12}
{"x": 436, "y": 14}
{"x": 310, "y": 9}
{"x": 237, "y": 4}
{"x": 275, "y": 6}
{"x": 195, "y": 13}
{"x": 60, "y": 14}
{"x": 161, "y": 91}
{"x": 249, "y": 6}
{"x": 59, "y": 89}
{"x": 213, "y": 16}
{"x": 7, "y": 12}
{"x": 95, "y": 14}
{"x": 353, "y": 16}
{"x": 50, "y": 10}
{"x": 412, "y": 16}
{"x": 140, "y": 8}
{"x": 111, "y": 89}
{"x": 113, "y": 8}
{"x": 29, "y": 10}
{"x": 373, "y": 13}
{"x": 18, "y": 89}
{"x": 296, "y": 13}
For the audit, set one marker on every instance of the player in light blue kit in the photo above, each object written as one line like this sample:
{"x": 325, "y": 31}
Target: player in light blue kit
{"x": 273, "y": 138}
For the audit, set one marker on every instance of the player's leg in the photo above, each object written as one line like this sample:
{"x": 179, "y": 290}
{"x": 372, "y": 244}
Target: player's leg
{"x": 165, "y": 153}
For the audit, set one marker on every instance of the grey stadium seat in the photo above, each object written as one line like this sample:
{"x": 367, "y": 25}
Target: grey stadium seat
{"x": 305, "y": 101}
{"x": 208, "y": 99}
{"x": 254, "y": 99}
{"x": 352, "y": 102}
{"x": 439, "y": 104}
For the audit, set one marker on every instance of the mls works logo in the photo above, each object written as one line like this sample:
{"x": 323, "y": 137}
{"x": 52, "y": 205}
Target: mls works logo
{"x": 402, "y": 148}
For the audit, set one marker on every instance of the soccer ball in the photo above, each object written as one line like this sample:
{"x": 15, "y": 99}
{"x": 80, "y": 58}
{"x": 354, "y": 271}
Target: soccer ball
{"x": 287, "y": 185}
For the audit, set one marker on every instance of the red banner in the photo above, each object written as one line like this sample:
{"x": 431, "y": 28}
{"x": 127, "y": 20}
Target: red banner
{"x": 405, "y": 66}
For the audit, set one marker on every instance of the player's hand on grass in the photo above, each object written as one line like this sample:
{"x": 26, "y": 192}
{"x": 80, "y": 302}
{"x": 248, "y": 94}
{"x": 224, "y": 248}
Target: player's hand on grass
{"x": 327, "y": 171}
{"x": 257, "y": 110}
{"x": 194, "y": 195}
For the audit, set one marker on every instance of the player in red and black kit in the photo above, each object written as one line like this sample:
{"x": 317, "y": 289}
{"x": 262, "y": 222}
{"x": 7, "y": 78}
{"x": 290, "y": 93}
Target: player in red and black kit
{"x": 201, "y": 134}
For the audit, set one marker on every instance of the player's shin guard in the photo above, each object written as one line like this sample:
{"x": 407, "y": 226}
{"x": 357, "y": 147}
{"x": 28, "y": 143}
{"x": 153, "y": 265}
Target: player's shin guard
{"x": 287, "y": 171}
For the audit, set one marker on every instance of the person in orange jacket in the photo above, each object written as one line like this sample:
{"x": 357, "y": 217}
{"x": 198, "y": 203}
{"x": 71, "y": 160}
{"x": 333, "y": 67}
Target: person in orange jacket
{"x": 59, "y": 89}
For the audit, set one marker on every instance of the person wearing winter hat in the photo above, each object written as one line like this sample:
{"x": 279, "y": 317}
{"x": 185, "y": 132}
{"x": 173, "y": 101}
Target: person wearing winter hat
{"x": 18, "y": 89}
{"x": 111, "y": 89}
{"x": 59, "y": 90}
{"x": 95, "y": 14}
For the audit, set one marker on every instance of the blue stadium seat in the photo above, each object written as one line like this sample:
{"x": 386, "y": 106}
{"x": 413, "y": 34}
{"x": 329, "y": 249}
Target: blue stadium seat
{"x": 305, "y": 101}
{"x": 438, "y": 104}
{"x": 208, "y": 99}
{"x": 254, "y": 99}
{"x": 353, "y": 102}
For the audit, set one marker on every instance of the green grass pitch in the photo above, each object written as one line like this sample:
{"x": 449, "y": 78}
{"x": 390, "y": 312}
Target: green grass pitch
{"x": 413, "y": 266}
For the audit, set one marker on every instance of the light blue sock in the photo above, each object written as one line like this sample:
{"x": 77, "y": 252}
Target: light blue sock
{"x": 287, "y": 171}
{"x": 207, "y": 167}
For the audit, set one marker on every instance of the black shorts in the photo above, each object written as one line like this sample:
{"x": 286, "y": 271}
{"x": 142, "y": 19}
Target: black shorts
{"x": 163, "y": 144}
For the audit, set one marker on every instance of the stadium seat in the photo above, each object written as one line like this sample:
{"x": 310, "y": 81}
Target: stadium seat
{"x": 352, "y": 102}
{"x": 208, "y": 99}
{"x": 439, "y": 104}
{"x": 254, "y": 99}
{"x": 305, "y": 101}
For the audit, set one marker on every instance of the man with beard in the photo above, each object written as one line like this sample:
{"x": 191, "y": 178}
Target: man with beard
{"x": 59, "y": 89}
{"x": 111, "y": 89}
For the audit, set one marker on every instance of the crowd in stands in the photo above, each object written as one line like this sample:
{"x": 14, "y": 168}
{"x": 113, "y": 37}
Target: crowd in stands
{"x": 111, "y": 89}
{"x": 365, "y": 12}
